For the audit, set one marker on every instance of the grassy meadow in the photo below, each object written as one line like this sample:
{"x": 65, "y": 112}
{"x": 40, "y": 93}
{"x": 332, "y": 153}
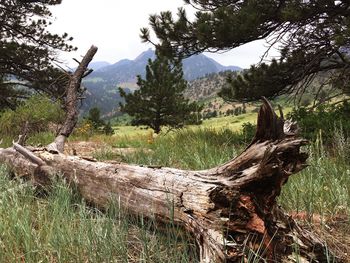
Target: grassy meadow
{"x": 56, "y": 225}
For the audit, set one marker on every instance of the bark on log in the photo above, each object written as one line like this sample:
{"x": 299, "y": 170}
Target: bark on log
{"x": 231, "y": 210}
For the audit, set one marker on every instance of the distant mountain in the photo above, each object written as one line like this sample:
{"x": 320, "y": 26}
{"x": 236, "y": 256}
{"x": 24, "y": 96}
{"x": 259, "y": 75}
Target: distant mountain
{"x": 200, "y": 65}
{"x": 102, "y": 84}
{"x": 145, "y": 56}
{"x": 98, "y": 64}
{"x": 126, "y": 70}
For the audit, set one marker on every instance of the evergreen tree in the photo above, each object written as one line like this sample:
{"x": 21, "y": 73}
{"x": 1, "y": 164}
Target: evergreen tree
{"x": 28, "y": 50}
{"x": 313, "y": 37}
{"x": 160, "y": 101}
{"x": 95, "y": 118}
{"x": 107, "y": 129}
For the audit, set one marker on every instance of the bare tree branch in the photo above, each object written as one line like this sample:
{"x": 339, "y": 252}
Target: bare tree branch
{"x": 27, "y": 154}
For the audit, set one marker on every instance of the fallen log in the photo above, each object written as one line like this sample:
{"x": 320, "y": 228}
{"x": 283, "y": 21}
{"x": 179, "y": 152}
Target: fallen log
{"x": 230, "y": 210}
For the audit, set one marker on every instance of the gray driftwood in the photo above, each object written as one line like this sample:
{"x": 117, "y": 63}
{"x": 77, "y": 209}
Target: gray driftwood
{"x": 229, "y": 210}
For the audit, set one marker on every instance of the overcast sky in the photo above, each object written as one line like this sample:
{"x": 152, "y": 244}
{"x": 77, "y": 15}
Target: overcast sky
{"x": 114, "y": 27}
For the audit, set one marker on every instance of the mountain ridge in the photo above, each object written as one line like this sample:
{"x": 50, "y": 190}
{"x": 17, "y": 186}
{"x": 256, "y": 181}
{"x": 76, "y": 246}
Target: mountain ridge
{"x": 194, "y": 67}
{"x": 103, "y": 82}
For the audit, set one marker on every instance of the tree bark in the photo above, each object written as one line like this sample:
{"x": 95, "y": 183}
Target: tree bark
{"x": 72, "y": 101}
{"x": 230, "y": 210}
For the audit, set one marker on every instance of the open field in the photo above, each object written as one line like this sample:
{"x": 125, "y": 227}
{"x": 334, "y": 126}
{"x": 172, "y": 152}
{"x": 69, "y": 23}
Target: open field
{"x": 233, "y": 123}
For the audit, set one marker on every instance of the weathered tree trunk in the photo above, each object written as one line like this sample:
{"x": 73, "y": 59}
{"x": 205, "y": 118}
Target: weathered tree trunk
{"x": 230, "y": 210}
{"x": 72, "y": 101}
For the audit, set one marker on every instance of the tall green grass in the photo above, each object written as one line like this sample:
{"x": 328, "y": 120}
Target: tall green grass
{"x": 188, "y": 149}
{"x": 322, "y": 188}
{"x": 39, "y": 138}
{"x": 61, "y": 227}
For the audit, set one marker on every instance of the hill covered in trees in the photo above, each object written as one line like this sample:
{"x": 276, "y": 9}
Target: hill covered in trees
{"x": 208, "y": 86}
{"x": 102, "y": 85}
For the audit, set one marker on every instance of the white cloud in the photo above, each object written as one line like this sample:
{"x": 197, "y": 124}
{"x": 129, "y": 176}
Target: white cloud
{"x": 114, "y": 27}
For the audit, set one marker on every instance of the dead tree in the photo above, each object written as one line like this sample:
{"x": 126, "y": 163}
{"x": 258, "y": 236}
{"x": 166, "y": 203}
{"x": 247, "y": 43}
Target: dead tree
{"x": 72, "y": 101}
{"x": 230, "y": 210}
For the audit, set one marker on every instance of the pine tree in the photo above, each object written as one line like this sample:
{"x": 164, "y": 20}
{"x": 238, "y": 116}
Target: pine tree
{"x": 107, "y": 129}
{"x": 95, "y": 118}
{"x": 28, "y": 50}
{"x": 159, "y": 101}
{"x": 313, "y": 36}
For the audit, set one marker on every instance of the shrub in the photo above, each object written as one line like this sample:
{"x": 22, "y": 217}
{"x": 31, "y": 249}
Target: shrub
{"x": 248, "y": 131}
{"x": 37, "y": 114}
{"x": 107, "y": 129}
{"x": 95, "y": 118}
{"x": 84, "y": 129}
{"x": 325, "y": 119}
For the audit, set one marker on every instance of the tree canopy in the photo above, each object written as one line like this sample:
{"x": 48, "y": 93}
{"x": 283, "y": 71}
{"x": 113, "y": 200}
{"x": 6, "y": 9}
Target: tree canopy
{"x": 313, "y": 37}
{"x": 28, "y": 51}
{"x": 160, "y": 100}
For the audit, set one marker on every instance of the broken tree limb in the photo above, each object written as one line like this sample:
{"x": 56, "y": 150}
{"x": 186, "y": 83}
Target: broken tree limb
{"x": 28, "y": 154}
{"x": 72, "y": 101}
{"x": 230, "y": 210}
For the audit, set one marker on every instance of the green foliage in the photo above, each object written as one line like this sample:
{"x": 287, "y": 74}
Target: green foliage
{"x": 188, "y": 149}
{"x": 248, "y": 131}
{"x": 41, "y": 138}
{"x": 323, "y": 187}
{"x": 107, "y": 129}
{"x": 95, "y": 118}
{"x": 323, "y": 121}
{"x": 34, "y": 115}
{"x": 210, "y": 114}
{"x": 84, "y": 129}
{"x": 313, "y": 37}
{"x": 160, "y": 101}
{"x": 236, "y": 111}
{"x": 92, "y": 124}
{"x": 61, "y": 227}
{"x": 263, "y": 80}
{"x": 28, "y": 51}
{"x": 107, "y": 154}
{"x": 193, "y": 148}
{"x": 122, "y": 120}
